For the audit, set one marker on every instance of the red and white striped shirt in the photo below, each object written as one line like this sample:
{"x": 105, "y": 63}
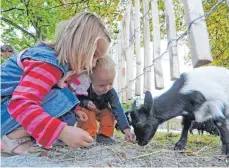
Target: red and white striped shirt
{"x": 25, "y": 106}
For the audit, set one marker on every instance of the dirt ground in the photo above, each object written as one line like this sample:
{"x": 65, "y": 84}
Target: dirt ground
{"x": 124, "y": 154}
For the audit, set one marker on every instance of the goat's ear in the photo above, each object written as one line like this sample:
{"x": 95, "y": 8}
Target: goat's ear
{"x": 148, "y": 101}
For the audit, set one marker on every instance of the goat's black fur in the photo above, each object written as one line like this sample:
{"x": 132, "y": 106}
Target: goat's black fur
{"x": 207, "y": 126}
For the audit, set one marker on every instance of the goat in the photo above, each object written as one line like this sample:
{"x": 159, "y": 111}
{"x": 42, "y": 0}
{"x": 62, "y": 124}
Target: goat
{"x": 200, "y": 94}
{"x": 207, "y": 126}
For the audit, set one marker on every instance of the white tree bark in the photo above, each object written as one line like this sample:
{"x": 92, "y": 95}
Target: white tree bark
{"x": 198, "y": 36}
{"x": 171, "y": 34}
{"x": 158, "y": 73}
{"x": 137, "y": 48}
{"x": 147, "y": 58}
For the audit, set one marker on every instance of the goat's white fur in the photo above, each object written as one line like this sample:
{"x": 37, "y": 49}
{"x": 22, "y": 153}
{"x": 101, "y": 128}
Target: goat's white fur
{"x": 213, "y": 83}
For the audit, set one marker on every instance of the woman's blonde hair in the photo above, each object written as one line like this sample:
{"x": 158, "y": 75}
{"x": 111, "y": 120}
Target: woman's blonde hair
{"x": 76, "y": 40}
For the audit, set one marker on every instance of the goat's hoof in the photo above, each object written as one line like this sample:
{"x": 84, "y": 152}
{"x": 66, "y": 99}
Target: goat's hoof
{"x": 179, "y": 146}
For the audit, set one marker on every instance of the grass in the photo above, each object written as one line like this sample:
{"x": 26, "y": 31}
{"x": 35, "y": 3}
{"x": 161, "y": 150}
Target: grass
{"x": 205, "y": 143}
{"x": 126, "y": 107}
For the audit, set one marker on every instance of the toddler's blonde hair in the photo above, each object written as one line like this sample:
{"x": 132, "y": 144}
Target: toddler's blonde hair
{"x": 77, "y": 39}
{"x": 106, "y": 63}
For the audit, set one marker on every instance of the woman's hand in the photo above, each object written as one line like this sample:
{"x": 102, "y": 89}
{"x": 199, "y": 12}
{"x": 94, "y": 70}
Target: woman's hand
{"x": 75, "y": 137}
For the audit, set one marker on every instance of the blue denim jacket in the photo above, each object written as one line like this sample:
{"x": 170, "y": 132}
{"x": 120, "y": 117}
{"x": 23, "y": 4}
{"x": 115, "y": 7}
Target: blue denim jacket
{"x": 11, "y": 73}
{"x": 57, "y": 102}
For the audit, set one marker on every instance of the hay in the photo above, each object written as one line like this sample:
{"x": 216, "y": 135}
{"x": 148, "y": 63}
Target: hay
{"x": 122, "y": 154}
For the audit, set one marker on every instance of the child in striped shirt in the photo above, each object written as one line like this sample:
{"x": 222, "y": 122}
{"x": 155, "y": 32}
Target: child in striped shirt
{"x": 30, "y": 98}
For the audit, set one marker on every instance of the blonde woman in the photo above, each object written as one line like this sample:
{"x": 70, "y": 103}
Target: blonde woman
{"x": 31, "y": 104}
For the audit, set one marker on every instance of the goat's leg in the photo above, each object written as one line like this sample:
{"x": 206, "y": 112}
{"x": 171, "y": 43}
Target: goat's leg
{"x": 223, "y": 125}
{"x": 184, "y": 135}
{"x": 221, "y": 120}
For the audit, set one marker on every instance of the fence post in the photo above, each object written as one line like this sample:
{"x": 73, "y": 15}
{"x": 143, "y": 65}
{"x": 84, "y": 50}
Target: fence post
{"x": 171, "y": 34}
{"x": 129, "y": 51}
{"x": 158, "y": 73}
{"x": 119, "y": 56}
{"x": 147, "y": 58}
{"x": 114, "y": 55}
{"x": 137, "y": 48}
{"x": 228, "y": 3}
{"x": 198, "y": 35}
{"x": 124, "y": 48}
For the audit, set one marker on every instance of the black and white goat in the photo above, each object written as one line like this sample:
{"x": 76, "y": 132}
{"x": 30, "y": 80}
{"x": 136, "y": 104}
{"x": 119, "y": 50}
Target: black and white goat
{"x": 200, "y": 94}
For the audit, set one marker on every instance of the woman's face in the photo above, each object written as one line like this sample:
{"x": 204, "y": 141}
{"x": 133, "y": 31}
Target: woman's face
{"x": 101, "y": 50}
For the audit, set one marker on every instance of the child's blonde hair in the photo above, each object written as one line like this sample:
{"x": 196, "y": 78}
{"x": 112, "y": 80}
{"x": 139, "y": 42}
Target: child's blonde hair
{"x": 76, "y": 41}
{"x": 106, "y": 63}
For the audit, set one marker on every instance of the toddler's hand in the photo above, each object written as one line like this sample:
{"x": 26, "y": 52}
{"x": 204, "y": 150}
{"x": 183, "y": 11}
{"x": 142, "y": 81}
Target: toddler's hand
{"x": 91, "y": 105}
{"x": 82, "y": 115}
{"x": 129, "y": 136}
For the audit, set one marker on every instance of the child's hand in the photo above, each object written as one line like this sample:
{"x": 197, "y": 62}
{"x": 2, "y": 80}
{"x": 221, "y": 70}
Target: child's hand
{"x": 82, "y": 115}
{"x": 75, "y": 137}
{"x": 129, "y": 136}
{"x": 91, "y": 105}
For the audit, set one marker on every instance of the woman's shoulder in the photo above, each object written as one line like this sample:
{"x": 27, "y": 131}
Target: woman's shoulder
{"x": 42, "y": 49}
{"x": 42, "y": 52}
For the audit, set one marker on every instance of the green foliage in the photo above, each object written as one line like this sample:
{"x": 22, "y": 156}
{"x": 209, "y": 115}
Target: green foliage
{"x": 24, "y": 22}
{"x": 37, "y": 19}
{"x": 218, "y": 28}
{"x": 2, "y": 59}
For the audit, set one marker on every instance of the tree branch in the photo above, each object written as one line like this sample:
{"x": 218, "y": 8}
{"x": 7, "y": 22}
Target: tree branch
{"x": 7, "y": 10}
{"x": 18, "y": 27}
{"x": 72, "y": 3}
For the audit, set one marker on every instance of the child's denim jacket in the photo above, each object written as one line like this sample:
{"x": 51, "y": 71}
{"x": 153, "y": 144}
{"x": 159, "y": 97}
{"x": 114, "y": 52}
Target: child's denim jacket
{"x": 57, "y": 102}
